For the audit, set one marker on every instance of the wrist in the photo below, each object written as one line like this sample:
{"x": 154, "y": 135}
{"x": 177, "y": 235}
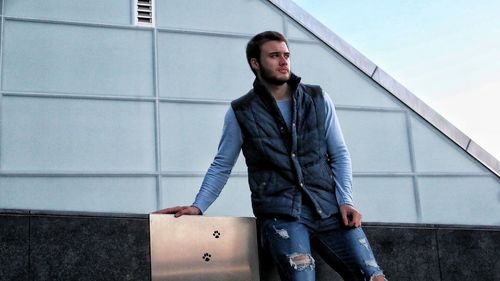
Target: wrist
{"x": 198, "y": 209}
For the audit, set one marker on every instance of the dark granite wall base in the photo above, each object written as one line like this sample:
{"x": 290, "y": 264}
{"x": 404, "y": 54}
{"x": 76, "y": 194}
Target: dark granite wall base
{"x": 81, "y": 248}
{"x": 413, "y": 253}
{"x": 14, "y": 247}
{"x": 469, "y": 254}
{"x": 53, "y": 246}
{"x": 405, "y": 253}
{"x": 73, "y": 247}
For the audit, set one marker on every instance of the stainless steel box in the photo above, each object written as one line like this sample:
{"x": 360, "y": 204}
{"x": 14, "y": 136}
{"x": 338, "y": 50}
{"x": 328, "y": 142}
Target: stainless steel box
{"x": 203, "y": 248}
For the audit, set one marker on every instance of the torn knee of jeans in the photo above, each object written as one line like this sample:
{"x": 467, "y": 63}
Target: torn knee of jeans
{"x": 301, "y": 261}
{"x": 281, "y": 232}
{"x": 364, "y": 242}
{"x": 372, "y": 263}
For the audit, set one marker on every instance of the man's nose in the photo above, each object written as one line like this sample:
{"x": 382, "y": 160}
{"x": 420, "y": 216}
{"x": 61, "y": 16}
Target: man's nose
{"x": 283, "y": 60}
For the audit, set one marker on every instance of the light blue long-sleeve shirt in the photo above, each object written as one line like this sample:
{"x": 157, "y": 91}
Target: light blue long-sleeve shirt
{"x": 232, "y": 140}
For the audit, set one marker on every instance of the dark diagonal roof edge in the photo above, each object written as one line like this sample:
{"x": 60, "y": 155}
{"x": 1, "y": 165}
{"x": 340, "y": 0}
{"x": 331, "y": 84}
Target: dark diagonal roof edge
{"x": 387, "y": 82}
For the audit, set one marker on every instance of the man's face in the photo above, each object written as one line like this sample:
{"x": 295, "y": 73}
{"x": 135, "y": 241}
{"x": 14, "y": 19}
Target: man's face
{"x": 274, "y": 64}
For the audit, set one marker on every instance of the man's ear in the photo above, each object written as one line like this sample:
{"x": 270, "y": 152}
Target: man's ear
{"x": 255, "y": 64}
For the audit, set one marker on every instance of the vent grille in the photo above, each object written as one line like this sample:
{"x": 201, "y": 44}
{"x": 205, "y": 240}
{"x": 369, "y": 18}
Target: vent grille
{"x": 144, "y": 12}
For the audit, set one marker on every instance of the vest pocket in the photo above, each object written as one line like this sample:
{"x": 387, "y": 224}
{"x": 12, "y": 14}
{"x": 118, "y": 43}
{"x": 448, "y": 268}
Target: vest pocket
{"x": 319, "y": 176}
{"x": 259, "y": 181}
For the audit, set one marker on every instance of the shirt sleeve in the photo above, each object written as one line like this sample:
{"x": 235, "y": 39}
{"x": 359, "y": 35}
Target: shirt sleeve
{"x": 340, "y": 159}
{"x": 220, "y": 169}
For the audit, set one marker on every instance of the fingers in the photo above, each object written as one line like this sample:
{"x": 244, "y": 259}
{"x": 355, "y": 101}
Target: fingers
{"x": 169, "y": 210}
{"x": 350, "y": 216}
{"x": 350, "y": 220}
{"x": 191, "y": 210}
{"x": 345, "y": 211}
{"x": 345, "y": 220}
{"x": 180, "y": 211}
{"x": 356, "y": 219}
{"x": 184, "y": 211}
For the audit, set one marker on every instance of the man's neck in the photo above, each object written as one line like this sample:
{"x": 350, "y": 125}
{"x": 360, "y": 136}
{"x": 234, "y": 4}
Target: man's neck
{"x": 279, "y": 92}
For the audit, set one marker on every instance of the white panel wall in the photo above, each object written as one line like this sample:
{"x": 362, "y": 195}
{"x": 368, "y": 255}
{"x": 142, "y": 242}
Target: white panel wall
{"x": 377, "y": 141}
{"x": 109, "y": 11}
{"x": 295, "y": 31}
{"x": 230, "y": 16}
{"x": 385, "y": 199}
{"x": 185, "y": 71}
{"x": 436, "y": 153}
{"x": 317, "y": 64}
{"x": 61, "y": 58}
{"x": 101, "y": 194}
{"x": 233, "y": 201}
{"x": 470, "y": 200}
{"x": 48, "y": 134}
{"x": 191, "y": 134}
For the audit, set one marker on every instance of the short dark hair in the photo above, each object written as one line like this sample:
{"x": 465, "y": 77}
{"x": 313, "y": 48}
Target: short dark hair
{"x": 253, "y": 46}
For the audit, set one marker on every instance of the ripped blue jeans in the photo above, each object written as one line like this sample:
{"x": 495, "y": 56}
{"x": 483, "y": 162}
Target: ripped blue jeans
{"x": 289, "y": 242}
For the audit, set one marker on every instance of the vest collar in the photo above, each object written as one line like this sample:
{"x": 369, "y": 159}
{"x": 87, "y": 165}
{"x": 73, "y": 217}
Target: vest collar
{"x": 272, "y": 107}
{"x": 260, "y": 89}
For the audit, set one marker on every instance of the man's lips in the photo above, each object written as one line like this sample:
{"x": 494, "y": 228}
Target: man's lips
{"x": 283, "y": 70}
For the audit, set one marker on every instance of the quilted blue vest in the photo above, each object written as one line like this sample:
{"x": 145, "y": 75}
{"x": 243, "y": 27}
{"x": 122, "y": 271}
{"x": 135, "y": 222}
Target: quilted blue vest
{"x": 286, "y": 165}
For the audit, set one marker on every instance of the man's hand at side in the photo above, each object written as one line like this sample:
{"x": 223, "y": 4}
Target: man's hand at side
{"x": 180, "y": 210}
{"x": 350, "y": 216}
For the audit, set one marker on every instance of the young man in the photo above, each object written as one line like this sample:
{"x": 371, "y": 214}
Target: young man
{"x": 299, "y": 170}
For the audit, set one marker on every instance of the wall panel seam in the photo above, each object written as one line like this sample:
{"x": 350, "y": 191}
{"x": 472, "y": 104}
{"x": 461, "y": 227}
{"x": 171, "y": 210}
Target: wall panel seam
{"x": 2, "y": 40}
{"x": 77, "y": 23}
{"x": 77, "y": 174}
{"x": 374, "y": 70}
{"x": 156, "y": 69}
{"x": 212, "y": 33}
{"x": 202, "y": 173}
{"x": 159, "y": 29}
{"x": 468, "y": 144}
{"x": 413, "y": 163}
{"x": 76, "y": 96}
{"x": 61, "y": 95}
{"x": 225, "y": 102}
{"x": 355, "y": 174}
{"x": 189, "y": 31}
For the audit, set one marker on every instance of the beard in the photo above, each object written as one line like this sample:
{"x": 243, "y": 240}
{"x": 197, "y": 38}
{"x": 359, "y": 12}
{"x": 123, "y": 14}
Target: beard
{"x": 268, "y": 77}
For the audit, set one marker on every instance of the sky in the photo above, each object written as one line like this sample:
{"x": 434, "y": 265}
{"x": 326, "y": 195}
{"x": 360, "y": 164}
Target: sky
{"x": 446, "y": 52}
